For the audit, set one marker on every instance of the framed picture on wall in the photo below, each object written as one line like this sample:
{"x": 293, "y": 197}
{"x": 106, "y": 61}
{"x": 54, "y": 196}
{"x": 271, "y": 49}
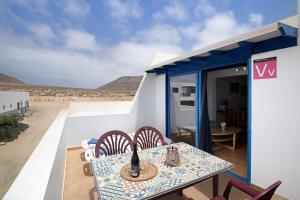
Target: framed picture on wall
{"x": 175, "y": 90}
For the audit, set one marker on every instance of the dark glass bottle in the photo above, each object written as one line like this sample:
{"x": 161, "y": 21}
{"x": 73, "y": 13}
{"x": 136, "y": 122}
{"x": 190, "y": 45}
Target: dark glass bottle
{"x": 135, "y": 163}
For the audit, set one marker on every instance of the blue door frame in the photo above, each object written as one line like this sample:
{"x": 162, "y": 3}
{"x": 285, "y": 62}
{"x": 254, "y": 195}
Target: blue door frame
{"x": 198, "y": 74}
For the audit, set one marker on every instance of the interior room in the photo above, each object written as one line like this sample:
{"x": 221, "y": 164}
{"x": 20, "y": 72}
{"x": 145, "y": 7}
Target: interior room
{"x": 227, "y": 91}
{"x": 182, "y": 108}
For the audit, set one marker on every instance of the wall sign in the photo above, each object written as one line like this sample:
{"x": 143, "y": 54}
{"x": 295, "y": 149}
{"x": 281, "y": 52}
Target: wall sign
{"x": 265, "y": 68}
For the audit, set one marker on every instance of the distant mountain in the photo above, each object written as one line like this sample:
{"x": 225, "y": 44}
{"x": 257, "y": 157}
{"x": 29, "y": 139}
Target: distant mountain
{"x": 128, "y": 84}
{"x": 9, "y": 79}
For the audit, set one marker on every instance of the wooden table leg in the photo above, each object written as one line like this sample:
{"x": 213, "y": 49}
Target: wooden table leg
{"x": 180, "y": 192}
{"x": 215, "y": 185}
{"x": 234, "y": 141}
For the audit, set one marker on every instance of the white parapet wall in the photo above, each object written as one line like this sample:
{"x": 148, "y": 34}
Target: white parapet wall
{"x": 99, "y": 108}
{"x": 275, "y": 124}
{"x": 86, "y": 120}
{"x": 42, "y": 175}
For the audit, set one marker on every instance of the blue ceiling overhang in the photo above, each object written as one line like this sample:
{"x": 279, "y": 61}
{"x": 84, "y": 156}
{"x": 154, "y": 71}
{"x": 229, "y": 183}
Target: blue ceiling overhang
{"x": 241, "y": 54}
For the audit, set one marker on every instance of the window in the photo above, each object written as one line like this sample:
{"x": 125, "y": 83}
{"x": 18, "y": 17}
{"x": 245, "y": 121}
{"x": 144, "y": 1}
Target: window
{"x": 18, "y": 105}
{"x": 187, "y": 103}
{"x": 10, "y": 105}
{"x": 3, "y": 107}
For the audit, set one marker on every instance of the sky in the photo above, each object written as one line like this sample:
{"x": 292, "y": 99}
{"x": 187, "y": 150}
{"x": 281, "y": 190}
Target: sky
{"x": 78, "y": 43}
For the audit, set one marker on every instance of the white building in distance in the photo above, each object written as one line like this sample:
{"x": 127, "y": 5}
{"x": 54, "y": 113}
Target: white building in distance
{"x": 14, "y": 102}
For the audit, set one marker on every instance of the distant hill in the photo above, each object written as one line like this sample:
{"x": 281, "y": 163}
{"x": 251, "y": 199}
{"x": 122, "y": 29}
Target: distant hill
{"x": 9, "y": 79}
{"x": 128, "y": 84}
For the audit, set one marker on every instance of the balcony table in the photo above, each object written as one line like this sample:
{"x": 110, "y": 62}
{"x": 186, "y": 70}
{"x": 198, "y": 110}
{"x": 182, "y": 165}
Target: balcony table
{"x": 196, "y": 166}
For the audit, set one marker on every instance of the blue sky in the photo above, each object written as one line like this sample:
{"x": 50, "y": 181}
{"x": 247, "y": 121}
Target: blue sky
{"x": 79, "y": 43}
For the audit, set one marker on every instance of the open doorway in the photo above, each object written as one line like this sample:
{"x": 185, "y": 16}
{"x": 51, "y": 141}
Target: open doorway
{"x": 227, "y": 93}
{"x": 183, "y": 108}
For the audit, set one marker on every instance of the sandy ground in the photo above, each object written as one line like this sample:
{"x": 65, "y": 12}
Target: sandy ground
{"x": 13, "y": 155}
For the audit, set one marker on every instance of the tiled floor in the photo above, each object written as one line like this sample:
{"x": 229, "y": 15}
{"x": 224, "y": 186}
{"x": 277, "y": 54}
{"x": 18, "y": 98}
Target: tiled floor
{"x": 238, "y": 156}
{"x": 79, "y": 183}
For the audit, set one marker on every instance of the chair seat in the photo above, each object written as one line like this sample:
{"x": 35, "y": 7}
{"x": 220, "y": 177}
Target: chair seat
{"x": 218, "y": 198}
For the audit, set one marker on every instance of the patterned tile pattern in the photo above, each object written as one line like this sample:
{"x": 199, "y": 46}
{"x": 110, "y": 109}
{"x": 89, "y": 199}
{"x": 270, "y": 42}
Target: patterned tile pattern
{"x": 195, "y": 165}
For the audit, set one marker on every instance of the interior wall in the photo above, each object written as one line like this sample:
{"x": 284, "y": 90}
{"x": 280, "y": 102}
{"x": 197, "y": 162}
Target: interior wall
{"x": 211, "y": 87}
{"x": 275, "y": 124}
{"x": 181, "y": 115}
{"x": 223, "y": 93}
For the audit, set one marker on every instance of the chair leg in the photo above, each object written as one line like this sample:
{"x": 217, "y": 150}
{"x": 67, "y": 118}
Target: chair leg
{"x": 179, "y": 132}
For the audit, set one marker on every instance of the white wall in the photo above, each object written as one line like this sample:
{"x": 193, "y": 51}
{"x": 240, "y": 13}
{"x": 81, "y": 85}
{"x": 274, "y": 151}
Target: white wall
{"x": 99, "y": 108}
{"x": 147, "y": 108}
{"x": 8, "y": 99}
{"x": 161, "y": 103}
{"x": 275, "y": 125}
{"x": 211, "y": 88}
{"x": 42, "y": 175}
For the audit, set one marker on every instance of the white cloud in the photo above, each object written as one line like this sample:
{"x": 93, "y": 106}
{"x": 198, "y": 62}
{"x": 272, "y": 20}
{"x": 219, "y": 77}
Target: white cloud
{"x": 160, "y": 33}
{"x": 220, "y": 27}
{"x": 204, "y": 8}
{"x": 134, "y": 58}
{"x": 124, "y": 9}
{"x": 65, "y": 66}
{"x": 75, "y": 39}
{"x": 191, "y": 32}
{"x": 175, "y": 11}
{"x": 42, "y": 31}
{"x": 77, "y": 8}
{"x": 256, "y": 19}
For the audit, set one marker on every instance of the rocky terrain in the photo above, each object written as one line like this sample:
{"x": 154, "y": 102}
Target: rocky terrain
{"x": 126, "y": 84}
{"x": 9, "y": 79}
{"x": 123, "y": 88}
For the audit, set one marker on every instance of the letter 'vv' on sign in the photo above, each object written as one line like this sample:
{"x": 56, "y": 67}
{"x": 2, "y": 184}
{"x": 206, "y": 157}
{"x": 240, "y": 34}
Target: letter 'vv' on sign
{"x": 265, "y": 68}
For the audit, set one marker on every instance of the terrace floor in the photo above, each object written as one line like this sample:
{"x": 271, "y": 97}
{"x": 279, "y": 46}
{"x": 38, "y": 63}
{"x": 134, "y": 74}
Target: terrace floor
{"x": 79, "y": 182}
{"x": 238, "y": 157}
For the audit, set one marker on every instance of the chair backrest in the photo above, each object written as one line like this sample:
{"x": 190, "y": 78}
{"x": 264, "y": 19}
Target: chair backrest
{"x": 267, "y": 193}
{"x": 148, "y": 137}
{"x": 113, "y": 142}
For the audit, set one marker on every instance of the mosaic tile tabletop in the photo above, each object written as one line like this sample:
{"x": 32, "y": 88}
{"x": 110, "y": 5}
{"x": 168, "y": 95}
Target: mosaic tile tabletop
{"x": 196, "y": 165}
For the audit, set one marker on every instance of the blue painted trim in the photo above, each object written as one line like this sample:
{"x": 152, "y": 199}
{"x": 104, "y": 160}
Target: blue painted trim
{"x": 198, "y": 106}
{"x": 245, "y": 44}
{"x": 240, "y": 178}
{"x": 249, "y": 131}
{"x": 181, "y": 72}
{"x": 234, "y": 56}
{"x": 287, "y": 30}
{"x": 216, "y": 52}
{"x": 168, "y": 134}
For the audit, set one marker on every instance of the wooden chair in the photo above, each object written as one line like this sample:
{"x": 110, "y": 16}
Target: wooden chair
{"x": 148, "y": 137}
{"x": 256, "y": 195}
{"x": 113, "y": 142}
